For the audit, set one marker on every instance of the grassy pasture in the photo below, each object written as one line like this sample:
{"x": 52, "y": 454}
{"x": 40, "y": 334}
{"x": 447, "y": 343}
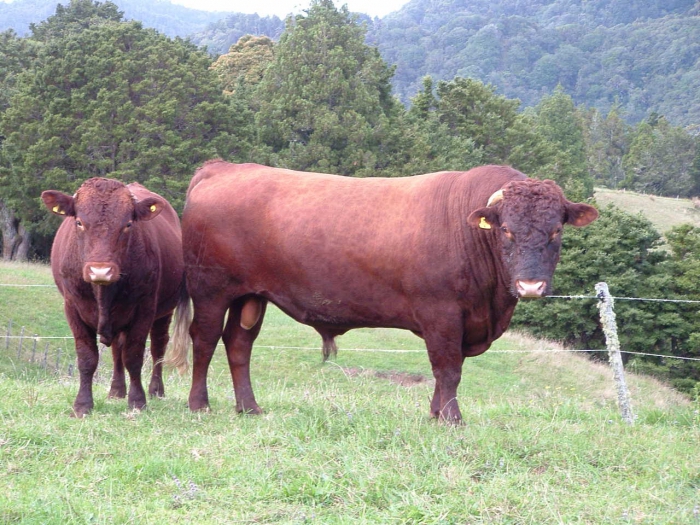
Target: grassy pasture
{"x": 343, "y": 442}
{"x": 663, "y": 212}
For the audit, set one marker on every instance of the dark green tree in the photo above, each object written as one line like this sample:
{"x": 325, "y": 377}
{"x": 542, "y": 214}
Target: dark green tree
{"x": 474, "y": 110}
{"x": 679, "y": 323}
{"x": 111, "y": 99}
{"x": 430, "y": 145}
{"x": 607, "y": 142}
{"x": 560, "y": 124}
{"x": 16, "y": 55}
{"x": 660, "y": 159}
{"x": 325, "y": 102}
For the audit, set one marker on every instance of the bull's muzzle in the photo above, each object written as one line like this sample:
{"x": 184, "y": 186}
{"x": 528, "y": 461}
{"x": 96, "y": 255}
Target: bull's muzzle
{"x": 100, "y": 273}
{"x": 533, "y": 289}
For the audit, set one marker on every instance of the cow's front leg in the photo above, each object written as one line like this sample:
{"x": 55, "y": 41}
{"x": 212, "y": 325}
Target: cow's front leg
{"x": 445, "y": 353}
{"x": 118, "y": 387}
{"x": 88, "y": 357}
{"x": 159, "y": 342}
{"x": 132, "y": 356}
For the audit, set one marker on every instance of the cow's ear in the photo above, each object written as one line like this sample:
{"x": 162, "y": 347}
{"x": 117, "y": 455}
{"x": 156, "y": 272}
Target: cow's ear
{"x": 485, "y": 218}
{"x": 578, "y": 214}
{"x": 148, "y": 208}
{"x": 59, "y": 203}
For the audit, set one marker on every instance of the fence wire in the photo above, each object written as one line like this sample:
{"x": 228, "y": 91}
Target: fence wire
{"x": 47, "y": 356}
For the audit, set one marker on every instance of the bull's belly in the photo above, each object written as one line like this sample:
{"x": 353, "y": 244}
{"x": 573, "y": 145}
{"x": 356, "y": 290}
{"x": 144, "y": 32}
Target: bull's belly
{"x": 344, "y": 315}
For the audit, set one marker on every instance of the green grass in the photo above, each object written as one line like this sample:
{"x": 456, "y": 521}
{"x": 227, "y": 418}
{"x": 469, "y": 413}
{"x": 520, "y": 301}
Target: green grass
{"x": 346, "y": 442}
{"x": 663, "y": 212}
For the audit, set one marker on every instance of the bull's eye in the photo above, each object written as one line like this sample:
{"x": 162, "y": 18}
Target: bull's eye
{"x": 79, "y": 224}
{"x": 128, "y": 226}
{"x": 506, "y": 232}
{"x": 555, "y": 234}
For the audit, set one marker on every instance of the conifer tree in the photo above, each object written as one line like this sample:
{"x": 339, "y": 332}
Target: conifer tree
{"x": 109, "y": 98}
{"x": 325, "y": 102}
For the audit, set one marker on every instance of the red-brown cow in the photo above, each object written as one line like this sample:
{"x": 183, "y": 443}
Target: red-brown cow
{"x": 117, "y": 261}
{"x": 431, "y": 253}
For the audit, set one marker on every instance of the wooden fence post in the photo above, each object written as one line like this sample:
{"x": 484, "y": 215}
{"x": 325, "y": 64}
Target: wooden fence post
{"x": 607, "y": 320}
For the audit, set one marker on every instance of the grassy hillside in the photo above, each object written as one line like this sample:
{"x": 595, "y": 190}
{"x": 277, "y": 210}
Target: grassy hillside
{"x": 663, "y": 212}
{"x": 345, "y": 442}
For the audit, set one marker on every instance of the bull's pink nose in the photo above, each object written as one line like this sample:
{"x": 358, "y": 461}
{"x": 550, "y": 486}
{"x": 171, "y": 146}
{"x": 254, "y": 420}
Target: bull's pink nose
{"x": 530, "y": 288}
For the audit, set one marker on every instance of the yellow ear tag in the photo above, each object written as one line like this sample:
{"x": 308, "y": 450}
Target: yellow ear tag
{"x": 153, "y": 208}
{"x": 483, "y": 224}
{"x": 57, "y": 209}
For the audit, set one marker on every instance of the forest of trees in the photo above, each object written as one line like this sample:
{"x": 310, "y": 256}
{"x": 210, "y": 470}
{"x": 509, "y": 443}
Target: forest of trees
{"x": 88, "y": 93}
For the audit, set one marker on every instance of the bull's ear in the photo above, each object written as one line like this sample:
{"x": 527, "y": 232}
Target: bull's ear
{"x": 578, "y": 214}
{"x": 148, "y": 208}
{"x": 59, "y": 203}
{"x": 485, "y": 218}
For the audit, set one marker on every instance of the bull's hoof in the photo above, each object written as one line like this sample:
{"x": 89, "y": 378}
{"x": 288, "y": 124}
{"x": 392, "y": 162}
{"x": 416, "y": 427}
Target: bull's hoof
{"x": 447, "y": 418}
{"x": 156, "y": 391}
{"x": 81, "y": 411}
{"x": 137, "y": 402}
{"x": 253, "y": 411}
{"x": 199, "y": 407}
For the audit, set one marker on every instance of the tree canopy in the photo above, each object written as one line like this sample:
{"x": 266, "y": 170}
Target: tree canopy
{"x": 103, "y": 97}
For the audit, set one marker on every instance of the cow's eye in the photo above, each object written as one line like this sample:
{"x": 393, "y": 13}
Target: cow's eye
{"x": 506, "y": 231}
{"x": 128, "y": 226}
{"x": 79, "y": 224}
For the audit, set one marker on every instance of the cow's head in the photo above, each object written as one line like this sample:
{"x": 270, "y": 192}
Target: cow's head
{"x": 102, "y": 212}
{"x": 528, "y": 216}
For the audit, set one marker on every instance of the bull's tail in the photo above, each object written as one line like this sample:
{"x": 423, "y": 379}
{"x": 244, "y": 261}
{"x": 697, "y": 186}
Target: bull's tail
{"x": 176, "y": 355}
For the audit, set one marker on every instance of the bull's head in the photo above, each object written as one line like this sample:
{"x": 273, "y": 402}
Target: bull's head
{"x": 102, "y": 213}
{"x": 528, "y": 217}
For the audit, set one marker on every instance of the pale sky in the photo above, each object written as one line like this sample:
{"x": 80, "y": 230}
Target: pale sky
{"x": 282, "y": 8}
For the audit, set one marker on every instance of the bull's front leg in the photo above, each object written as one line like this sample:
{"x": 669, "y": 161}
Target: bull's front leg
{"x": 445, "y": 353}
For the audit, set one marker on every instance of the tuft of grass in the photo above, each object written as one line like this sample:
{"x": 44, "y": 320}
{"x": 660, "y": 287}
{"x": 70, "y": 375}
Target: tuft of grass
{"x": 350, "y": 441}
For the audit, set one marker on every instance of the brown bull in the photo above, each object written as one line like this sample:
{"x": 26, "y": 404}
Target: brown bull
{"x": 117, "y": 261}
{"x": 445, "y": 255}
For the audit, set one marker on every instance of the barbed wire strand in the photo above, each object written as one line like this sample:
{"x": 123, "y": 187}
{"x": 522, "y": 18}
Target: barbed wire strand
{"x": 407, "y": 351}
{"x": 385, "y": 350}
{"x": 643, "y": 299}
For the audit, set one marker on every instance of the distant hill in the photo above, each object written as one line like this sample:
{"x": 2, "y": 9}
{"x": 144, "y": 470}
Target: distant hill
{"x": 167, "y": 18}
{"x": 663, "y": 212}
{"x": 644, "y": 56}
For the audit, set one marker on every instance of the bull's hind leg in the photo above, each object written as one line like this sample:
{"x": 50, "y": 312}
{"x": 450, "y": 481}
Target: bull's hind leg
{"x": 159, "y": 342}
{"x": 118, "y": 387}
{"x": 443, "y": 341}
{"x": 205, "y": 331}
{"x": 242, "y": 328}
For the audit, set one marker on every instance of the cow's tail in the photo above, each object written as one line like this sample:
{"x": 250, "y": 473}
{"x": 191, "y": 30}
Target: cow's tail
{"x": 176, "y": 355}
